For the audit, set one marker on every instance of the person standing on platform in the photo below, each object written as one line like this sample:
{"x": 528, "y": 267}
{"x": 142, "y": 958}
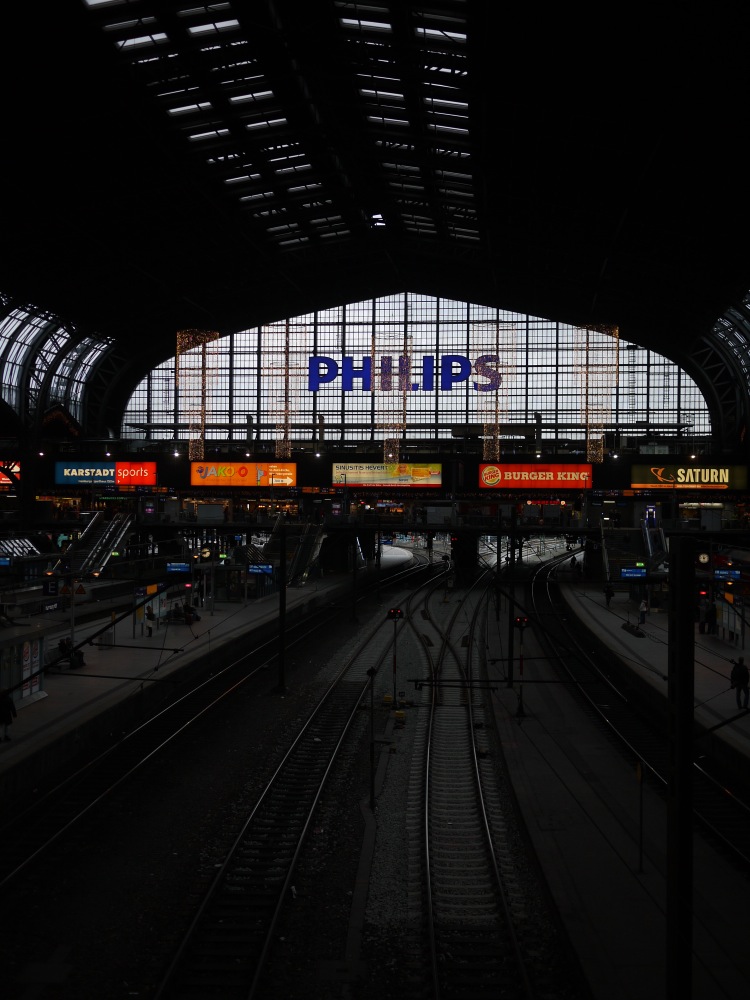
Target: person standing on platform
{"x": 608, "y": 594}
{"x": 7, "y": 713}
{"x": 739, "y": 679}
{"x": 642, "y": 612}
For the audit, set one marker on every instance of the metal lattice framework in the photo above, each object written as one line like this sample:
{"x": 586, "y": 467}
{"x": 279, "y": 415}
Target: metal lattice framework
{"x": 193, "y": 378}
{"x": 597, "y": 364}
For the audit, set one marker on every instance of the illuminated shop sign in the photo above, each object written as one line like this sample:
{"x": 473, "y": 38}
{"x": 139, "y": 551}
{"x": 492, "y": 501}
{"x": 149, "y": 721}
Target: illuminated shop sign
{"x": 13, "y": 467}
{"x": 402, "y": 373}
{"x": 689, "y": 477}
{"x": 399, "y": 474}
{"x": 243, "y": 474}
{"x": 535, "y": 477}
{"x": 121, "y": 473}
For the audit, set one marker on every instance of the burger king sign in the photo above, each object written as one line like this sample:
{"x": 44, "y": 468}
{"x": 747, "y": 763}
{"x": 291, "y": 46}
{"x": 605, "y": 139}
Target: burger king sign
{"x": 540, "y": 477}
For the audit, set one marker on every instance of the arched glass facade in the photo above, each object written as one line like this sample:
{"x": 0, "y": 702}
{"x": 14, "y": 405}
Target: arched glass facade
{"x": 415, "y": 367}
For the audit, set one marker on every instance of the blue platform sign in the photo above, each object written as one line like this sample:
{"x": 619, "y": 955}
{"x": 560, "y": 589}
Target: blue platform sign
{"x": 727, "y": 574}
{"x": 630, "y": 572}
{"x": 178, "y": 567}
{"x": 265, "y": 568}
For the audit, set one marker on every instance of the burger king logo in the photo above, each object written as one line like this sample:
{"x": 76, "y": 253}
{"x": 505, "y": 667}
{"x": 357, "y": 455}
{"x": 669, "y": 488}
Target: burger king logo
{"x": 490, "y": 475}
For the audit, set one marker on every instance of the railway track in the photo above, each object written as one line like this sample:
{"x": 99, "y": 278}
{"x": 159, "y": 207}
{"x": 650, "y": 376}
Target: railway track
{"x": 471, "y": 869}
{"x": 40, "y": 823}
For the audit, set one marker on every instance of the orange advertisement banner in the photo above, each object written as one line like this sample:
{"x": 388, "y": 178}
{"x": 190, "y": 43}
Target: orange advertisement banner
{"x": 247, "y": 474}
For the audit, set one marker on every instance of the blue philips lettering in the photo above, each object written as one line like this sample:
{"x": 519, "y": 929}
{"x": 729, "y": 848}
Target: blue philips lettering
{"x": 349, "y": 373}
{"x": 484, "y": 370}
{"x": 386, "y": 374}
{"x": 449, "y": 377}
{"x": 403, "y": 374}
{"x": 389, "y": 373}
{"x": 319, "y": 371}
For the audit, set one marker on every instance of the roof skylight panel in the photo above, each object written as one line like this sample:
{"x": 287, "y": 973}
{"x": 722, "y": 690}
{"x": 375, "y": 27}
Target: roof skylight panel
{"x": 382, "y": 95}
{"x": 294, "y": 169}
{"x": 459, "y": 154}
{"x": 268, "y": 213}
{"x": 242, "y": 179}
{"x": 395, "y": 145}
{"x": 259, "y": 196}
{"x": 251, "y": 97}
{"x": 217, "y": 133}
{"x": 318, "y": 204}
{"x": 204, "y": 9}
{"x": 265, "y": 123}
{"x": 446, "y": 126}
{"x": 450, "y": 193}
{"x": 383, "y": 120}
{"x": 214, "y": 28}
{"x": 364, "y": 26}
{"x": 327, "y": 220}
{"x": 291, "y": 151}
{"x": 453, "y": 175}
{"x": 439, "y": 34}
{"x": 141, "y": 42}
{"x": 439, "y": 103}
{"x": 402, "y": 168}
{"x": 304, "y": 188}
{"x": 407, "y": 188}
{"x": 189, "y": 109}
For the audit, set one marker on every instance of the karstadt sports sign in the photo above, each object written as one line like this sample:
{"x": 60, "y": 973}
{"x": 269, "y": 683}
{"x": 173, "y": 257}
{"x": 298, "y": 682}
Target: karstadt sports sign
{"x": 105, "y": 473}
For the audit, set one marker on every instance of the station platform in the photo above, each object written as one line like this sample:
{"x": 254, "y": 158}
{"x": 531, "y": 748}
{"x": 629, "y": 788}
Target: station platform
{"x": 123, "y": 659}
{"x": 600, "y": 834}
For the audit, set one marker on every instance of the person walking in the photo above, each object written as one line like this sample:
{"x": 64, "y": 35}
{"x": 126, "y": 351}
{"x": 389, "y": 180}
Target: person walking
{"x": 642, "y": 612}
{"x": 608, "y": 594}
{"x": 7, "y": 713}
{"x": 739, "y": 679}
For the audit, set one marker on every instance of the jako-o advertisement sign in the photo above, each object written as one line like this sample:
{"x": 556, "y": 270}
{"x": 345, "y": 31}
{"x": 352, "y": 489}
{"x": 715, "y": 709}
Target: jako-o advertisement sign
{"x": 535, "y": 477}
{"x": 402, "y": 373}
{"x": 105, "y": 473}
{"x": 243, "y": 474}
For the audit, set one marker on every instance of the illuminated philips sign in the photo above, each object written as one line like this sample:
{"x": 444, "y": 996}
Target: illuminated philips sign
{"x": 397, "y": 373}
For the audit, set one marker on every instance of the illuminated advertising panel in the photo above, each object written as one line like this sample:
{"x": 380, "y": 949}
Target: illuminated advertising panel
{"x": 243, "y": 474}
{"x": 535, "y": 477}
{"x": 135, "y": 473}
{"x": 422, "y": 474}
{"x": 104, "y": 473}
{"x": 688, "y": 477}
{"x": 13, "y": 467}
